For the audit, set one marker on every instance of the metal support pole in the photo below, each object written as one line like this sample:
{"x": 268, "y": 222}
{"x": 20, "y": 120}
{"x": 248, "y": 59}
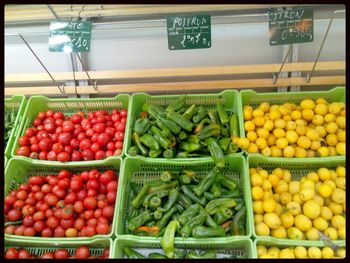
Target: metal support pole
{"x": 53, "y": 12}
{"x": 54, "y": 81}
{"x": 94, "y": 84}
{"x": 295, "y": 55}
{"x": 275, "y": 77}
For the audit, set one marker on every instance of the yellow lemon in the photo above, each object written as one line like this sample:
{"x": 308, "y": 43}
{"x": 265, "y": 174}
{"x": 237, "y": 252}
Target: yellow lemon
{"x": 278, "y": 133}
{"x": 297, "y": 199}
{"x": 295, "y": 114}
{"x": 340, "y": 182}
{"x": 243, "y": 143}
{"x": 249, "y": 126}
{"x": 263, "y": 173}
{"x": 312, "y": 234}
{"x": 272, "y": 220}
{"x": 324, "y": 173}
{"x": 301, "y": 122}
{"x": 307, "y": 183}
{"x": 307, "y": 104}
{"x": 279, "y": 172}
{"x": 275, "y": 114}
{"x": 321, "y": 109}
{"x": 274, "y": 252}
{"x": 314, "y": 252}
{"x": 332, "y": 151}
{"x": 323, "y": 151}
{"x": 287, "y": 176}
{"x": 269, "y": 205}
{"x": 321, "y": 101}
{"x": 311, "y": 209}
{"x": 271, "y": 140}
{"x": 326, "y": 213}
{"x": 341, "y": 122}
{"x": 294, "y": 233}
{"x": 279, "y": 232}
{"x": 334, "y": 108}
{"x": 287, "y": 118}
{"x": 342, "y": 232}
{"x": 258, "y": 218}
{"x": 300, "y": 252}
{"x": 335, "y": 208}
{"x": 341, "y": 136}
{"x": 341, "y": 252}
{"x": 304, "y": 142}
{"x": 338, "y": 196}
{"x": 279, "y": 209}
{"x": 291, "y": 136}
{"x": 291, "y": 126}
{"x": 331, "y": 139}
{"x": 265, "y": 106}
{"x": 340, "y": 148}
{"x": 287, "y": 253}
{"x": 251, "y": 136}
{"x": 287, "y": 220}
{"x": 260, "y": 143}
{"x": 285, "y": 198}
{"x": 276, "y": 152}
{"x": 262, "y": 229}
{"x": 310, "y": 153}
{"x": 315, "y": 145}
{"x": 281, "y": 187}
{"x": 340, "y": 170}
{"x": 300, "y": 130}
{"x": 269, "y": 125}
{"x": 261, "y": 250}
{"x": 307, "y": 114}
{"x": 247, "y": 113}
{"x": 318, "y": 120}
{"x": 281, "y": 143}
{"x": 318, "y": 199}
{"x": 263, "y": 133}
{"x": 289, "y": 151}
{"x": 329, "y": 118}
{"x": 257, "y": 193}
{"x": 331, "y": 183}
{"x": 294, "y": 208}
{"x": 252, "y": 148}
{"x": 284, "y": 110}
{"x": 332, "y": 127}
{"x": 258, "y": 207}
{"x": 266, "y": 185}
{"x": 267, "y": 195}
{"x": 307, "y": 194}
{"x": 294, "y": 187}
{"x": 325, "y": 190}
{"x": 302, "y": 222}
{"x": 258, "y": 113}
{"x": 321, "y": 131}
{"x": 338, "y": 221}
{"x": 320, "y": 223}
{"x": 274, "y": 179}
{"x": 313, "y": 177}
{"x": 256, "y": 179}
{"x": 280, "y": 123}
{"x": 259, "y": 121}
{"x": 327, "y": 252}
{"x": 332, "y": 233}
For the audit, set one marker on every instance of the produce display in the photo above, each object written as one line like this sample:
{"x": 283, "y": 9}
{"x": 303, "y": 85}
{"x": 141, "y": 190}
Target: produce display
{"x": 179, "y": 131}
{"x": 313, "y": 128}
{"x": 310, "y": 209}
{"x": 62, "y": 205}
{"x": 56, "y": 137}
{"x": 299, "y": 252}
{"x": 82, "y": 252}
{"x": 10, "y": 118}
{"x": 202, "y": 205}
{"x": 179, "y": 254}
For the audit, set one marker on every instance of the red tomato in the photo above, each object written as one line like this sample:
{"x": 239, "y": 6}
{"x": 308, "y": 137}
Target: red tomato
{"x": 71, "y": 232}
{"x": 22, "y": 195}
{"x": 108, "y": 211}
{"x": 109, "y": 153}
{"x": 76, "y": 184}
{"x": 20, "y": 230}
{"x": 92, "y": 222}
{"x": 67, "y": 223}
{"x": 46, "y": 188}
{"x": 57, "y": 147}
{"x": 99, "y": 127}
{"x": 124, "y": 113}
{"x": 29, "y": 231}
{"x": 111, "y": 197}
{"x": 74, "y": 143}
{"x": 58, "y": 115}
{"x": 14, "y": 215}
{"x": 59, "y": 232}
{"x": 35, "y": 148}
{"x": 82, "y": 252}
{"x": 28, "y": 221}
{"x": 30, "y": 132}
{"x": 71, "y": 198}
{"x": 87, "y": 155}
{"x": 76, "y": 118}
{"x": 119, "y": 136}
{"x": 99, "y": 155}
{"x": 61, "y": 253}
{"x": 85, "y": 144}
{"x": 67, "y": 126}
{"x": 49, "y": 113}
{"x": 76, "y": 156}
{"x": 90, "y": 202}
{"x": 82, "y": 195}
{"x": 30, "y": 201}
{"x": 81, "y": 136}
{"x": 39, "y": 226}
{"x": 63, "y": 157}
{"x": 23, "y": 253}
{"x": 19, "y": 204}
{"x": 33, "y": 140}
{"x": 42, "y": 135}
{"x": 123, "y": 120}
{"x": 118, "y": 152}
{"x": 50, "y": 127}
{"x": 52, "y": 222}
{"x": 45, "y": 144}
{"x": 48, "y": 255}
{"x": 24, "y": 141}
{"x": 112, "y": 186}
{"x": 89, "y": 132}
{"x": 47, "y": 232}
{"x": 10, "y": 230}
{"x": 88, "y": 231}
{"x": 79, "y": 223}
{"x": 39, "y": 216}
{"x": 64, "y": 138}
{"x": 52, "y": 156}
{"x": 110, "y": 131}
{"x": 34, "y": 155}
{"x": 78, "y": 207}
{"x": 115, "y": 117}
{"x": 103, "y": 139}
{"x": 37, "y": 122}
{"x": 95, "y": 147}
{"x": 23, "y": 151}
{"x": 59, "y": 122}
{"x": 119, "y": 145}
{"x": 88, "y": 214}
{"x": 102, "y": 229}
{"x": 11, "y": 253}
{"x": 120, "y": 127}
{"x": 43, "y": 155}
{"x": 10, "y": 199}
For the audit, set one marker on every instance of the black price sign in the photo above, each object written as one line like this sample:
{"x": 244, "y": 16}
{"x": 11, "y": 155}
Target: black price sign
{"x": 291, "y": 26}
{"x": 70, "y": 36}
{"x": 189, "y": 31}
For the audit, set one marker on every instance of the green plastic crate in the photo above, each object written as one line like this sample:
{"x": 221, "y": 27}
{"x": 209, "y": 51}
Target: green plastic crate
{"x": 250, "y": 97}
{"x": 20, "y": 169}
{"x": 241, "y": 247}
{"x": 229, "y": 98}
{"x": 38, "y": 248}
{"x": 5, "y": 161}
{"x": 37, "y": 104}
{"x": 292, "y": 243}
{"x": 18, "y": 103}
{"x": 298, "y": 169}
{"x": 142, "y": 170}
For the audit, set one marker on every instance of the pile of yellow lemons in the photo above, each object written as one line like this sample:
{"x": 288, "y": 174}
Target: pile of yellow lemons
{"x": 299, "y": 252}
{"x": 310, "y": 129}
{"x": 299, "y": 209}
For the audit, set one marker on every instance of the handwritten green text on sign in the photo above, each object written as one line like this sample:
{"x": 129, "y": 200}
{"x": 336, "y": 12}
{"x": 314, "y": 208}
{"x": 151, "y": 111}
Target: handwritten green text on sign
{"x": 189, "y": 31}
{"x": 291, "y": 26}
{"x": 70, "y": 36}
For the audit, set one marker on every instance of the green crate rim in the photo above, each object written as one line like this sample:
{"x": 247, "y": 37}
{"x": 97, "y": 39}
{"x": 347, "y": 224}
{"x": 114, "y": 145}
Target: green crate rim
{"x": 244, "y": 241}
{"x": 118, "y": 162}
{"x": 163, "y": 99}
{"x": 11, "y": 141}
{"x": 86, "y": 104}
{"x": 277, "y": 162}
{"x": 296, "y": 96}
{"x": 154, "y": 162}
{"x": 38, "y": 246}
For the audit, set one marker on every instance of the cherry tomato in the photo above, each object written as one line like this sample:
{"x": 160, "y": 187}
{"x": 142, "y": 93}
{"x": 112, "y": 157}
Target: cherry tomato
{"x": 110, "y": 131}
{"x": 76, "y": 184}
{"x": 99, "y": 127}
{"x": 59, "y": 231}
{"x": 67, "y": 223}
{"x": 14, "y": 215}
{"x": 111, "y": 197}
{"x": 71, "y": 232}
{"x": 99, "y": 155}
{"x": 63, "y": 157}
{"x": 120, "y": 127}
{"x": 24, "y": 141}
{"x": 79, "y": 223}
{"x": 119, "y": 136}
{"x": 102, "y": 229}
{"x": 95, "y": 147}
{"x": 58, "y": 115}
{"x": 52, "y": 222}
{"x": 87, "y": 155}
{"x": 35, "y": 148}
{"x": 108, "y": 211}
{"x": 42, "y": 135}
{"x": 58, "y": 122}
{"x": 11, "y": 253}
{"x": 103, "y": 138}
{"x": 39, "y": 226}
{"x": 57, "y": 147}
{"x": 67, "y": 126}
{"x": 23, "y": 151}
{"x": 47, "y": 232}
{"x": 82, "y": 252}
{"x": 19, "y": 204}
{"x": 119, "y": 145}
{"x": 71, "y": 198}
{"x": 64, "y": 138}
{"x": 50, "y": 127}
{"x": 74, "y": 143}
{"x": 61, "y": 253}
{"x": 76, "y": 118}
{"x": 30, "y": 132}
{"x": 43, "y": 155}
{"x": 49, "y": 113}
{"x": 52, "y": 156}
{"x": 48, "y": 255}
{"x": 33, "y": 140}
{"x": 29, "y": 231}
{"x": 90, "y": 202}
{"x": 76, "y": 156}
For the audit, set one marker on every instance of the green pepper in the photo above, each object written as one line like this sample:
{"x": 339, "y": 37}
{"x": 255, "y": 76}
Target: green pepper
{"x": 156, "y": 255}
{"x": 150, "y": 223}
{"x": 153, "y": 110}
{"x": 166, "y": 217}
{"x": 172, "y": 126}
{"x": 216, "y": 189}
{"x": 187, "y": 191}
{"x": 198, "y": 220}
{"x": 238, "y": 225}
{"x": 169, "y": 153}
{"x": 224, "y": 119}
{"x": 185, "y": 179}
{"x": 142, "y": 125}
{"x": 213, "y": 206}
{"x": 231, "y": 194}
{"x": 163, "y": 186}
{"x": 233, "y": 148}
{"x": 139, "y": 220}
{"x": 224, "y": 131}
{"x": 183, "y": 154}
{"x": 135, "y": 187}
{"x": 234, "y": 125}
{"x": 137, "y": 201}
{"x": 224, "y": 143}
{"x": 149, "y": 141}
{"x": 164, "y": 129}
{"x": 205, "y": 183}
{"x": 190, "y": 112}
{"x": 189, "y": 147}
{"x": 181, "y": 111}
{"x": 180, "y": 120}
{"x": 200, "y": 125}
{"x": 209, "y": 221}
{"x": 130, "y": 253}
{"x": 193, "y": 138}
{"x": 213, "y": 116}
{"x": 167, "y": 176}
{"x": 155, "y": 153}
{"x": 180, "y": 253}
{"x": 207, "y": 254}
{"x": 226, "y": 182}
{"x": 210, "y": 130}
{"x": 155, "y": 202}
{"x": 177, "y": 105}
{"x": 182, "y": 136}
{"x": 175, "y": 216}
{"x": 222, "y": 215}
{"x": 201, "y": 113}
{"x": 184, "y": 201}
{"x": 163, "y": 141}
{"x": 159, "y": 194}
{"x": 205, "y": 232}
{"x": 215, "y": 152}
{"x": 136, "y": 138}
{"x": 240, "y": 203}
{"x": 173, "y": 196}
{"x": 179, "y": 208}
{"x": 167, "y": 241}
{"x": 208, "y": 196}
{"x": 133, "y": 151}
{"x": 157, "y": 215}
{"x": 189, "y": 213}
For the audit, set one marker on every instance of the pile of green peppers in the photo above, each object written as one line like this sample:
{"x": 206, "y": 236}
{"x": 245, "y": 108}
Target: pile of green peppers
{"x": 187, "y": 205}
{"x": 179, "y": 131}
{"x": 178, "y": 254}
{"x": 10, "y": 117}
